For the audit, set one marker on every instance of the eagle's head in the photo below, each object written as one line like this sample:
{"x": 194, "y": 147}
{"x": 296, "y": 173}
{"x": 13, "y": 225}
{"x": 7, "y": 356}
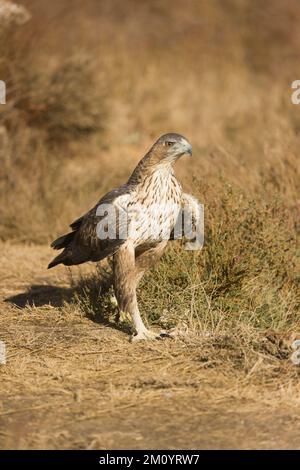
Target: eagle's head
{"x": 170, "y": 147}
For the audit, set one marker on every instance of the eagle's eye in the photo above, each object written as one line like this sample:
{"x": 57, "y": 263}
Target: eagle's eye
{"x": 169, "y": 143}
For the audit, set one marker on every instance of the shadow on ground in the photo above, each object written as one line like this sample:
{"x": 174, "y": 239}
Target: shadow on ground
{"x": 39, "y": 295}
{"x": 88, "y": 293}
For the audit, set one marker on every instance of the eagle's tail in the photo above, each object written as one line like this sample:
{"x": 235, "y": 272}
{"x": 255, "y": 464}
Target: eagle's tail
{"x": 60, "y": 259}
{"x": 66, "y": 256}
{"x": 63, "y": 241}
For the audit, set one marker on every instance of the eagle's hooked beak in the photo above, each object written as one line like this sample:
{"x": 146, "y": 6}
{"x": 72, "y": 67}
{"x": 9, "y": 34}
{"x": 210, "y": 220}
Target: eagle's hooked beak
{"x": 187, "y": 148}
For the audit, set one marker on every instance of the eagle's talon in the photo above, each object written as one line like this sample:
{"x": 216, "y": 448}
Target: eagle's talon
{"x": 165, "y": 334}
{"x": 150, "y": 335}
{"x": 146, "y": 335}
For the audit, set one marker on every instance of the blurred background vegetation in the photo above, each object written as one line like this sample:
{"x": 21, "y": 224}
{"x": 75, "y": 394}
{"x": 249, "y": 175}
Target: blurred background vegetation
{"x": 91, "y": 84}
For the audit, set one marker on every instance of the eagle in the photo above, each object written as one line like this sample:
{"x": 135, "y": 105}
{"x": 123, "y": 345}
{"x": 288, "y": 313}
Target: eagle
{"x": 133, "y": 224}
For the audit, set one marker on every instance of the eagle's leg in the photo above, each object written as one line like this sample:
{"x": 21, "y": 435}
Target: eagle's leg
{"x": 145, "y": 258}
{"x": 126, "y": 278}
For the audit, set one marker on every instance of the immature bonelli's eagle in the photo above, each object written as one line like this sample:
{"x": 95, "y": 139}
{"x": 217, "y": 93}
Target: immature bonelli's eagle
{"x": 133, "y": 223}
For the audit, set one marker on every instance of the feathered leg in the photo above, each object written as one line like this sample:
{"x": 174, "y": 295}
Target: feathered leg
{"x": 128, "y": 271}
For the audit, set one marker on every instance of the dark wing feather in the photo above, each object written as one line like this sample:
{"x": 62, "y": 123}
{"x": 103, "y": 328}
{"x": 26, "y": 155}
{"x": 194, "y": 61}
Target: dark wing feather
{"x": 83, "y": 244}
{"x": 63, "y": 241}
{"x": 76, "y": 224}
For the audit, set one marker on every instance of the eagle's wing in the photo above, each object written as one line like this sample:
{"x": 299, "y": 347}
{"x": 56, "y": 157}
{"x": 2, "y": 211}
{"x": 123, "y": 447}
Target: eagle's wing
{"x": 86, "y": 241}
{"x": 190, "y": 223}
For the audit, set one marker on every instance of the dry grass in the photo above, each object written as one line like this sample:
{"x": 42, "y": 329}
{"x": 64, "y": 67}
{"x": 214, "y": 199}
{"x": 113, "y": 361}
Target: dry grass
{"x": 74, "y": 383}
{"x": 71, "y": 382}
{"x": 81, "y": 110}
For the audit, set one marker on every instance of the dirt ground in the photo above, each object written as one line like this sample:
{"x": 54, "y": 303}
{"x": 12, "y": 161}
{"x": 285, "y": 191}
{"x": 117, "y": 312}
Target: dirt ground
{"x": 70, "y": 382}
